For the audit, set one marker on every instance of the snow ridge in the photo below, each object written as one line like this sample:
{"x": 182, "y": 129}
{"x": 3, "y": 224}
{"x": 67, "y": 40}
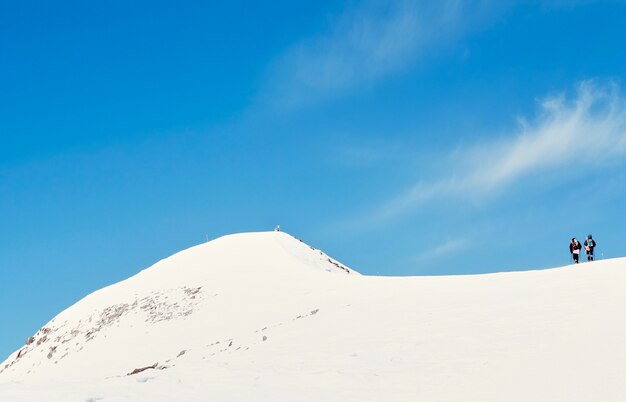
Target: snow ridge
{"x": 265, "y": 317}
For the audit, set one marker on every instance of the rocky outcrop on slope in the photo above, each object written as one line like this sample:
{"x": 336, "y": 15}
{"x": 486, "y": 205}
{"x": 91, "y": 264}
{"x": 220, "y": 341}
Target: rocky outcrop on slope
{"x": 56, "y": 341}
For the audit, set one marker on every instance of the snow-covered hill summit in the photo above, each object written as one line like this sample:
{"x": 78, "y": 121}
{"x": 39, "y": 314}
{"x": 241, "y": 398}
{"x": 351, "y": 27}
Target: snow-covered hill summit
{"x": 214, "y": 288}
{"x": 264, "y": 317}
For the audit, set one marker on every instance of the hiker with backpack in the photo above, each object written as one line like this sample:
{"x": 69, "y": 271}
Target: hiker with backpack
{"x": 590, "y": 244}
{"x": 574, "y": 248}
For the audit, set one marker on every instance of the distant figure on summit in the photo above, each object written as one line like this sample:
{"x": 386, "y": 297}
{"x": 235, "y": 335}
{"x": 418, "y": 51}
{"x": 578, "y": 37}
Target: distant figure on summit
{"x": 590, "y": 244}
{"x": 277, "y": 228}
{"x": 574, "y": 248}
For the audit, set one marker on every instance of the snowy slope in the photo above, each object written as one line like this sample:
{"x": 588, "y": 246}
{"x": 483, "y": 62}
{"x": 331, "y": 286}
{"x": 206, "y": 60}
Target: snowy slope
{"x": 263, "y": 316}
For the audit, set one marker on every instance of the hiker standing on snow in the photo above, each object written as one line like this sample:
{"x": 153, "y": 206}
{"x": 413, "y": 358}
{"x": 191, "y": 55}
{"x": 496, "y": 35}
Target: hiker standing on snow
{"x": 590, "y": 244}
{"x": 574, "y": 248}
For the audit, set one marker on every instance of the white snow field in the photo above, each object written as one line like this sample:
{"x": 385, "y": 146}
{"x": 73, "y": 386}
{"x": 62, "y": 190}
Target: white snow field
{"x": 264, "y": 317}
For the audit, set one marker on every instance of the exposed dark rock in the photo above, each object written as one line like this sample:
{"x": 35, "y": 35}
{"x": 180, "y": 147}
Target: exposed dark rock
{"x": 192, "y": 291}
{"x": 51, "y": 353}
{"x": 139, "y": 370}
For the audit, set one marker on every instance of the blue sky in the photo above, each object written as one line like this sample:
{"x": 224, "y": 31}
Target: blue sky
{"x": 401, "y": 137}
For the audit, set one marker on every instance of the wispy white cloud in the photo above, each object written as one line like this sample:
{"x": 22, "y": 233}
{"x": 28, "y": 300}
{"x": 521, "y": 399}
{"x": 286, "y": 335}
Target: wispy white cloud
{"x": 376, "y": 39}
{"x": 589, "y": 129}
{"x": 368, "y": 43}
{"x": 447, "y": 248}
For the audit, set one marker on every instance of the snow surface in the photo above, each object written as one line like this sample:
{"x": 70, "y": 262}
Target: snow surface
{"x": 265, "y": 317}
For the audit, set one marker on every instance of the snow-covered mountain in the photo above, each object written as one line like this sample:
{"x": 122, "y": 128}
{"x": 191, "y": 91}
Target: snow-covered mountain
{"x": 265, "y": 317}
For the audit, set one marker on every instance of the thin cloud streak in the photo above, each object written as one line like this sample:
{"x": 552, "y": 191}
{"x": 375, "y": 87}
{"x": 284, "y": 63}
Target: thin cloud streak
{"x": 451, "y": 246}
{"x": 589, "y": 129}
{"x": 367, "y": 44}
{"x": 374, "y": 40}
